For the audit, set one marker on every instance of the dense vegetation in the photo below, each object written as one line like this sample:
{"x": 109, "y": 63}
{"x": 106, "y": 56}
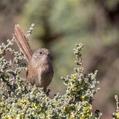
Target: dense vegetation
{"x": 62, "y": 23}
{"x": 21, "y": 100}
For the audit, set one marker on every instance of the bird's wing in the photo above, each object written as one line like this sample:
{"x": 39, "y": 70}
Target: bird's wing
{"x": 31, "y": 74}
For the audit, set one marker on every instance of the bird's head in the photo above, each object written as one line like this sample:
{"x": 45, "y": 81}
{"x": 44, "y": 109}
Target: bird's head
{"x": 41, "y": 56}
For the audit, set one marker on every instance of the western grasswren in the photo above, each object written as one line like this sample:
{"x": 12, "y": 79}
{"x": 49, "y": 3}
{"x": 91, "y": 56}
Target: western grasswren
{"x": 40, "y": 69}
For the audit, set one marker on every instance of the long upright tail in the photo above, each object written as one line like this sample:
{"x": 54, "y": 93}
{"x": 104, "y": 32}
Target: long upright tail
{"x": 22, "y": 42}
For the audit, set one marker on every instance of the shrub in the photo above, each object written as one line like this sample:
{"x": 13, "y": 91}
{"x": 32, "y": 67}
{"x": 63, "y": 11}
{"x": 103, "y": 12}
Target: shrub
{"x": 21, "y": 100}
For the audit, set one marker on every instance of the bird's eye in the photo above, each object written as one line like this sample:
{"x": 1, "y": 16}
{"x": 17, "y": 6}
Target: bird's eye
{"x": 40, "y": 52}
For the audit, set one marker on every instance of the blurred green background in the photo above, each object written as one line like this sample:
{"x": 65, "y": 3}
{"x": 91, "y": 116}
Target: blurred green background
{"x": 59, "y": 25}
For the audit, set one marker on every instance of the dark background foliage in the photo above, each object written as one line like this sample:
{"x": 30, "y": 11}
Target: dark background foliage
{"x": 59, "y": 25}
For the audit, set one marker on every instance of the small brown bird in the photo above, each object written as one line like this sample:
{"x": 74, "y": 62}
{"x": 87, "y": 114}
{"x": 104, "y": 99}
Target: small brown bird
{"x": 40, "y": 69}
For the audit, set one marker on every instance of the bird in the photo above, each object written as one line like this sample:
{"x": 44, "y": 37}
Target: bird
{"x": 39, "y": 69}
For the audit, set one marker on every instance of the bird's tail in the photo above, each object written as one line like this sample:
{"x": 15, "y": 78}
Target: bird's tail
{"x": 22, "y": 42}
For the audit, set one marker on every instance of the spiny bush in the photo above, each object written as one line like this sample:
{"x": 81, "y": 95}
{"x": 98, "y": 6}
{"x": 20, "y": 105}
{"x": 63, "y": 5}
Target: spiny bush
{"x": 21, "y": 100}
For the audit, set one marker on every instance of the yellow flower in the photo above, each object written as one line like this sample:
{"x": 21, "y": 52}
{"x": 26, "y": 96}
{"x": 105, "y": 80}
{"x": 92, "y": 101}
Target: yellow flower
{"x": 34, "y": 105}
{"x": 23, "y": 102}
{"x": 9, "y": 117}
{"x": 117, "y": 115}
{"x": 74, "y": 76}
